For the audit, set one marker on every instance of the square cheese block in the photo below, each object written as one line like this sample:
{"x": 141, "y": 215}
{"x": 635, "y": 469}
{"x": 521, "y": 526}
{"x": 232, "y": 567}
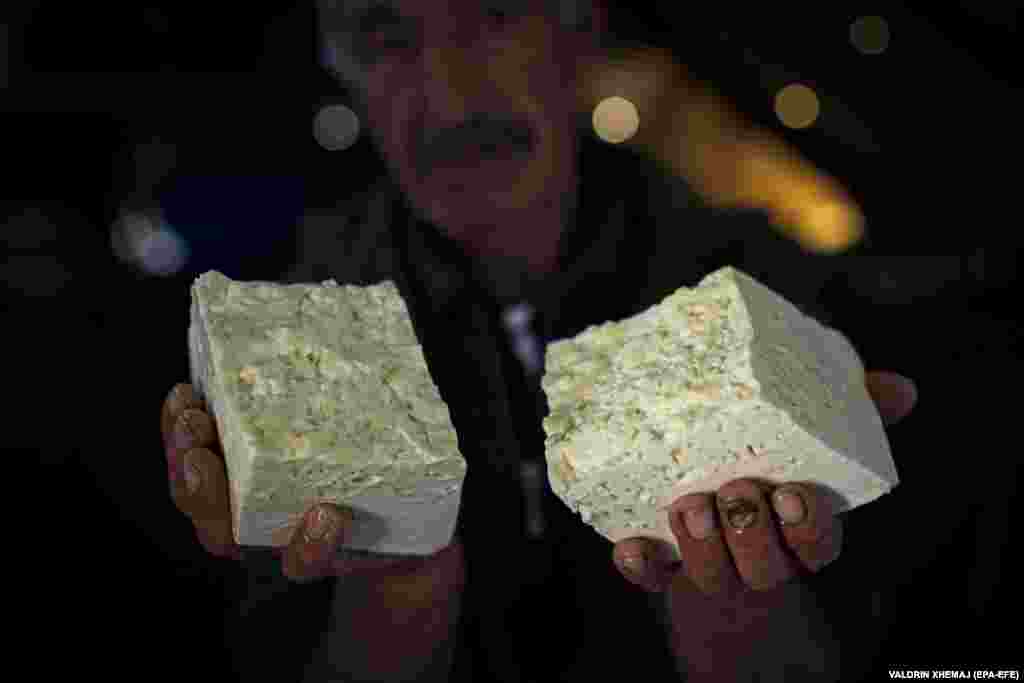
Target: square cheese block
{"x": 722, "y": 381}
{"x": 321, "y": 393}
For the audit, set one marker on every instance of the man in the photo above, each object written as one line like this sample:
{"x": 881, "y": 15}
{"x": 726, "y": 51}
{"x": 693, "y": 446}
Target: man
{"x": 495, "y": 204}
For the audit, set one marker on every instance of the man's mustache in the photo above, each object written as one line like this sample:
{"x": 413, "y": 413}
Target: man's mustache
{"x": 481, "y": 132}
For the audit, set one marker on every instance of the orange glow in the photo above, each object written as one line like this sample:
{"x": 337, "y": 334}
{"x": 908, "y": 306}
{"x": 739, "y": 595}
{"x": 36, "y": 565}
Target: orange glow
{"x": 731, "y": 162}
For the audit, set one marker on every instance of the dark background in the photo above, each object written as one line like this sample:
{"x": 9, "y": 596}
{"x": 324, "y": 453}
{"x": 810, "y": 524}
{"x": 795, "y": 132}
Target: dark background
{"x": 925, "y": 136}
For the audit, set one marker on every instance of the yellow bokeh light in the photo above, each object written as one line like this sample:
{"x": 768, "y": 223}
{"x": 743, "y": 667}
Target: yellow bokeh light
{"x": 830, "y": 227}
{"x": 616, "y": 120}
{"x": 699, "y": 136}
{"x": 870, "y": 35}
{"x": 797, "y": 106}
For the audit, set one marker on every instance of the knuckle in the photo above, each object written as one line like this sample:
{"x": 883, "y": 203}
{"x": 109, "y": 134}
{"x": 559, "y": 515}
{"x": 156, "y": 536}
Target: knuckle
{"x": 180, "y": 398}
{"x": 195, "y": 427}
{"x": 208, "y": 465}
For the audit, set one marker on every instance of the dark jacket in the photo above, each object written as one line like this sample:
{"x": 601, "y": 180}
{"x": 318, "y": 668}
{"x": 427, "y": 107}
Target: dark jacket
{"x": 550, "y": 606}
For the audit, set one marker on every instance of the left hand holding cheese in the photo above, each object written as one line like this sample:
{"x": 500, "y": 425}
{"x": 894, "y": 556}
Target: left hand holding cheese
{"x": 745, "y": 536}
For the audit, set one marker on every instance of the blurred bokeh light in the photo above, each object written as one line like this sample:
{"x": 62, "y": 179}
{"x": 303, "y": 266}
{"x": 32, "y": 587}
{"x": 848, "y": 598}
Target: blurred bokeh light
{"x": 797, "y": 106}
{"x": 870, "y": 35}
{"x": 616, "y": 120}
{"x": 336, "y": 127}
{"x": 731, "y": 161}
{"x": 145, "y": 241}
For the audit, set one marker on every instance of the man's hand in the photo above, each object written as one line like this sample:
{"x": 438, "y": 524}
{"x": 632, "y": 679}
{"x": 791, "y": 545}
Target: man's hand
{"x": 199, "y": 489}
{"x": 734, "y": 611}
{"x": 398, "y": 615}
{"x": 745, "y": 537}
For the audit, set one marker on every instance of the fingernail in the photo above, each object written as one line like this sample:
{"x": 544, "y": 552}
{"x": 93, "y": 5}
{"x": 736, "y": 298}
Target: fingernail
{"x": 318, "y": 525}
{"x": 740, "y": 513}
{"x": 193, "y": 479}
{"x": 789, "y": 506}
{"x": 634, "y": 564}
{"x": 700, "y": 522}
{"x": 183, "y": 397}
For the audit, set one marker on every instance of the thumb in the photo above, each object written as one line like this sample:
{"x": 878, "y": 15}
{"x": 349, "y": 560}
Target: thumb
{"x": 310, "y": 552}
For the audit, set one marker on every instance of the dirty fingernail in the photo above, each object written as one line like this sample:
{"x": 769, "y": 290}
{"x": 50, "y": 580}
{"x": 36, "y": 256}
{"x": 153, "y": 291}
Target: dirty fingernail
{"x": 700, "y": 522}
{"x": 789, "y": 506}
{"x": 740, "y": 513}
{"x": 318, "y": 525}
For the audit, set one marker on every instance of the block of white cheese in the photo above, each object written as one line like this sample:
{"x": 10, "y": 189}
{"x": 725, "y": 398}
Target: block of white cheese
{"x": 722, "y": 381}
{"x": 321, "y": 393}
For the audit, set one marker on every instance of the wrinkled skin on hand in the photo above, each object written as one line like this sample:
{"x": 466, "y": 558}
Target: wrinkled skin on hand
{"x": 746, "y": 537}
{"x": 193, "y": 452}
{"x": 735, "y": 600}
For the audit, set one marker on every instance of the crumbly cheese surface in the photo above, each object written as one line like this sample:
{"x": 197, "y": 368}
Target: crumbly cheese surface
{"x": 721, "y": 381}
{"x": 322, "y": 393}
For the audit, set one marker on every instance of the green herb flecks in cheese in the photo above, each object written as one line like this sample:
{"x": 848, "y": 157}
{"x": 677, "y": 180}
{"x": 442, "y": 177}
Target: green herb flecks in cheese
{"x": 717, "y": 382}
{"x": 321, "y": 393}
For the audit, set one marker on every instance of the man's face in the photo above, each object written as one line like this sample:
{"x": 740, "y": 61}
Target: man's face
{"x": 472, "y": 105}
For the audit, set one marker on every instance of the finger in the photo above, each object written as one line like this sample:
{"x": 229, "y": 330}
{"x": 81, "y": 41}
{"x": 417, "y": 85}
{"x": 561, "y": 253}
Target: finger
{"x": 644, "y": 563}
{"x": 895, "y": 395}
{"x": 179, "y": 398}
{"x": 750, "y": 532}
{"x": 706, "y": 559}
{"x": 808, "y": 525}
{"x": 310, "y": 552}
{"x": 202, "y": 494}
{"x": 195, "y": 428}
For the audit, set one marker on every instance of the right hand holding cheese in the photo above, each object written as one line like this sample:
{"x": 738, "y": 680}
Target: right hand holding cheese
{"x": 199, "y": 489}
